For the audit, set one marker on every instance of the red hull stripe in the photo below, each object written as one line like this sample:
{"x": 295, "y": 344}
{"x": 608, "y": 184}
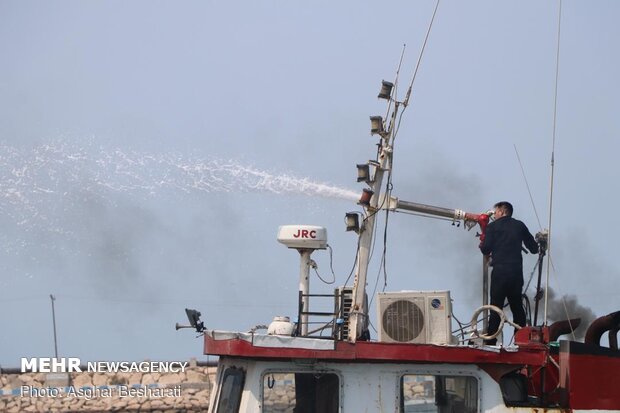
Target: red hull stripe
{"x": 377, "y": 352}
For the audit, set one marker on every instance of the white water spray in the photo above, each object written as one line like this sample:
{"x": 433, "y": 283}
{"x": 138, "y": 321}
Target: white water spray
{"x": 36, "y": 184}
{"x": 46, "y": 168}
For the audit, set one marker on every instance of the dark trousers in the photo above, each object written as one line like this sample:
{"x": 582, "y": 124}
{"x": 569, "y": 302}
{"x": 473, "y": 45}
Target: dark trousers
{"x": 506, "y": 283}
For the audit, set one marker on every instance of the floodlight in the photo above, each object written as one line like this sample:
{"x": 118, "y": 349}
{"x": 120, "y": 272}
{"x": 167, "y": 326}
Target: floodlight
{"x": 363, "y": 172}
{"x": 351, "y": 219}
{"x": 194, "y": 320}
{"x": 386, "y": 90}
{"x": 376, "y": 125}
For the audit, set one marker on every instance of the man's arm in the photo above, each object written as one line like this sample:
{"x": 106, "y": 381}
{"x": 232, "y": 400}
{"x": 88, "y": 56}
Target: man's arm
{"x": 486, "y": 246}
{"x": 529, "y": 241}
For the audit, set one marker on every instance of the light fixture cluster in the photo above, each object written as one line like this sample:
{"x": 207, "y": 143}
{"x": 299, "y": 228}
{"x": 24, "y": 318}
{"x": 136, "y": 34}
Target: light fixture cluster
{"x": 366, "y": 171}
{"x": 377, "y": 126}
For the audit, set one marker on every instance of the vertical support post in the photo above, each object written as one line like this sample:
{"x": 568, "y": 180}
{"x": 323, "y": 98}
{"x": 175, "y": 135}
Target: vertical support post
{"x": 54, "y": 324}
{"x": 358, "y": 318}
{"x": 538, "y": 295}
{"x": 485, "y": 291}
{"x": 304, "y": 288}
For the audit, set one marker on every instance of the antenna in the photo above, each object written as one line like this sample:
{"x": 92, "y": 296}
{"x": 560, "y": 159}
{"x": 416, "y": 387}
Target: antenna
{"x": 555, "y": 116}
{"x": 400, "y": 63}
{"x": 417, "y": 66}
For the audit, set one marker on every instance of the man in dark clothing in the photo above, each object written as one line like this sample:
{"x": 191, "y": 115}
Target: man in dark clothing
{"x": 503, "y": 240}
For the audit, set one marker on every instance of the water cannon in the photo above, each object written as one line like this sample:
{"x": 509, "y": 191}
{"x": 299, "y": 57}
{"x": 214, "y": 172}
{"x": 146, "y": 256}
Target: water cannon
{"x": 305, "y": 239}
{"x": 483, "y": 221}
{"x": 457, "y": 216}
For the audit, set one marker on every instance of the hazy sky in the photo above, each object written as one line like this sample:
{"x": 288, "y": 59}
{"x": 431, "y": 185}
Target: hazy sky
{"x": 149, "y": 150}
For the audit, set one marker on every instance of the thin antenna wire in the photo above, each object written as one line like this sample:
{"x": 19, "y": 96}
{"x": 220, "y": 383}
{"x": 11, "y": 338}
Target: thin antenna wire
{"x": 400, "y": 63}
{"x": 549, "y": 260}
{"x": 417, "y": 66}
{"x": 395, "y": 90}
{"x": 528, "y": 187}
{"x": 555, "y": 115}
{"x": 393, "y": 128}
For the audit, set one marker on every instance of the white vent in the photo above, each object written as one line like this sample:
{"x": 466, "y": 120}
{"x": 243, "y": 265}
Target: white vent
{"x": 415, "y": 317}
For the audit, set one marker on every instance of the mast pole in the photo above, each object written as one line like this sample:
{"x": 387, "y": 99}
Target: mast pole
{"x": 359, "y": 315}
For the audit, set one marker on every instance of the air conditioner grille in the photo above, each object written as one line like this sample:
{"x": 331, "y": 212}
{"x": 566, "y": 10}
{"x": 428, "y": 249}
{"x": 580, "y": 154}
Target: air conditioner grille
{"x": 403, "y": 320}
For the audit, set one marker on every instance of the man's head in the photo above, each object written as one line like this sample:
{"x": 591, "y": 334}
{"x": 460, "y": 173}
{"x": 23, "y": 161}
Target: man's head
{"x": 502, "y": 209}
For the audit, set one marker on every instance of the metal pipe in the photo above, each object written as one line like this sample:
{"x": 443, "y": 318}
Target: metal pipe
{"x": 426, "y": 209}
{"x": 538, "y": 296}
{"x": 560, "y": 328}
{"x": 599, "y": 326}
{"x": 485, "y": 291}
{"x": 455, "y": 214}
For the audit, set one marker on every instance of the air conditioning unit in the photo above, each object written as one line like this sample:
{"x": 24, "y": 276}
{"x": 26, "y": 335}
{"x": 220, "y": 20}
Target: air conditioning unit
{"x": 415, "y": 317}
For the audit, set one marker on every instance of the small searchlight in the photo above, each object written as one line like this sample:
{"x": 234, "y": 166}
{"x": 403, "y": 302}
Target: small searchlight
{"x": 193, "y": 317}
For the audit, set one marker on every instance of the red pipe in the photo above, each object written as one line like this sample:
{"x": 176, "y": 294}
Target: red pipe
{"x": 560, "y": 328}
{"x": 600, "y": 326}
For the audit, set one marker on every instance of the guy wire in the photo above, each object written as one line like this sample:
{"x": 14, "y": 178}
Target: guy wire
{"x": 528, "y": 187}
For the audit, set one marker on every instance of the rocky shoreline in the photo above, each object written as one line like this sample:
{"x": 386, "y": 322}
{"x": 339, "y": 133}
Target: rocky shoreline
{"x": 180, "y": 392}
